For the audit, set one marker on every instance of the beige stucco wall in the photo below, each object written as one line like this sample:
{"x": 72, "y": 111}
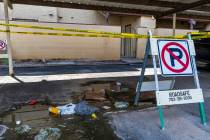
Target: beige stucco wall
{"x": 207, "y": 28}
{"x": 58, "y": 47}
{"x": 62, "y": 15}
{"x": 138, "y": 22}
{"x": 141, "y": 44}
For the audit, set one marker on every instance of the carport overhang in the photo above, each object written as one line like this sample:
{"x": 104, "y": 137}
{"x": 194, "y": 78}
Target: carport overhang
{"x": 197, "y": 9}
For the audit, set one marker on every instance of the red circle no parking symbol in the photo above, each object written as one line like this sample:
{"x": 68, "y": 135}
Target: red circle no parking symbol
{"x": 184, "y": 64}
{"x": 2, "y": 45}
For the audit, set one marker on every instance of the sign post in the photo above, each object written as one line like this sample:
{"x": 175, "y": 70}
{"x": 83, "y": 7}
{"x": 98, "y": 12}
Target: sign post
{"x": 176, "y": 58}
{"x": 197, "y": 83}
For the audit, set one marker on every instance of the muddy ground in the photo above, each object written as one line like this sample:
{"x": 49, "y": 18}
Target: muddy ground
{"x": 99, "y": 92}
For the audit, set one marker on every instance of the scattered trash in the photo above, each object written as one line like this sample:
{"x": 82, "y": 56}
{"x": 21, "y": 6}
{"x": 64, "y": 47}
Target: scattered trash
{"x": 48, "y": 134}
{"x": 18, "y": 122}
{"x": 94, "y": 116}
{"x": 23, "y": 129}
{"x": 124, "y": 89}
{"x": 3, "y": 130}
{"x": 118, "y": 89}
{"x": 32, "y": 102}
{"x": 67, "y": 109}
{"x": 62, "y": 126}
{"x": 83, "y": 108}
{"x": 63, "y": 110}
{"x": 106, "y": 107}
{"x": 54, "y": 110}
{"x": 121, "y": 105}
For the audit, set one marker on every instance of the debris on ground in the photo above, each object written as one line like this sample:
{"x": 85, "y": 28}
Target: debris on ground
{"x": 83, "y": 108}
{"x": 48, "y": 134}
{"x": 118, "y": 86}
{"x": 54, "y": 110}
{"x": 18, "y": 122}
{"x": 106, "y": 107}
{"x": 63, "y": 110}
{"x": 3, "y": 130}
{"x": 23, "y": 129}
{"x": 32, "y": 102}
{"x": 121, "y": 105}
{"x": 94, "y": 95}
{"x": 124, "y": 89}
{"x": 67, "y": 109}
{"x": 62, "y": 126}
{"x": 94, "y": 116}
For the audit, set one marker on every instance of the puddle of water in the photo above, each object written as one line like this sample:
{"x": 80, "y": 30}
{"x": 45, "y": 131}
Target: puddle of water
{"x": 73, "y": 127}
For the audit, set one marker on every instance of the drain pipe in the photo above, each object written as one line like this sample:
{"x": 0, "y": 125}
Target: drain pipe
{"x": 174, "y": 24}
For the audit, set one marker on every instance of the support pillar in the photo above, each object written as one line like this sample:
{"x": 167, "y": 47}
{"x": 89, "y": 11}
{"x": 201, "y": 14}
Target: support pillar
{"x": 174, "y": 24}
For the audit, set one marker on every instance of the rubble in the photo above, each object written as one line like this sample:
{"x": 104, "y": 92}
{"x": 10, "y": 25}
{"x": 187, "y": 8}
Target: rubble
{"x": 106, "y": 107}
{"x": 83, "y": 108}
{"x": 3, "y": 130}
{"x": 121, "y": 105}
{"x": 48, "y": 134}
{"x": 23, "y": 129}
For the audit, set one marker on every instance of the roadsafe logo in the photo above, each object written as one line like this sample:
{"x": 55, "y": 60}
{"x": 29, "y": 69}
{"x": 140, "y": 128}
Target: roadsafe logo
{"x": 179, "y": 96}
{"x": 174, "y": 57}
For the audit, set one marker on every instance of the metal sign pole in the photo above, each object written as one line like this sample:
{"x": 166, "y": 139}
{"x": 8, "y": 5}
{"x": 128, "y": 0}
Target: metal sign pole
{"x": 160, "y": 109}
{"x": 197, "y": 83}
{"x": 139, "y": 84}
{"x": 141, "y": 79}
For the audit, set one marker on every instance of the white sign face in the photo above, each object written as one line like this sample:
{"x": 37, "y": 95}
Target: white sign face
{"x": 174, "y": 57}
{"x": 173, "y": 97}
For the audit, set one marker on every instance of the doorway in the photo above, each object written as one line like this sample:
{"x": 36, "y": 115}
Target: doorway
{"x": 128, "y": 44}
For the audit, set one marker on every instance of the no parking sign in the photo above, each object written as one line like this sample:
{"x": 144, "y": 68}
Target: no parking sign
{"x": 2, "y": 45}
{"x": 174, "y": 56}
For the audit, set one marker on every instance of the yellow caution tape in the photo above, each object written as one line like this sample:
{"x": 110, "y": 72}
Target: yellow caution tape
{"x": 91, "y": 33}
{"x": 73, "y": 30}
{"x": 65, "y": 34}
{"x": 200, "y": 33}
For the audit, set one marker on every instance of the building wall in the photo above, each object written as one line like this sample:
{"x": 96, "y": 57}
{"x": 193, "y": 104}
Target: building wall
{"x": 59, "y": 47}
{"x": 62, "y": 15}
{"x": 38, "y": 47}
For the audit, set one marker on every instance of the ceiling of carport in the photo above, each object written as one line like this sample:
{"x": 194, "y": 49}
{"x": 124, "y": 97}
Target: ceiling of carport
{"x": 158, "y": 8}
